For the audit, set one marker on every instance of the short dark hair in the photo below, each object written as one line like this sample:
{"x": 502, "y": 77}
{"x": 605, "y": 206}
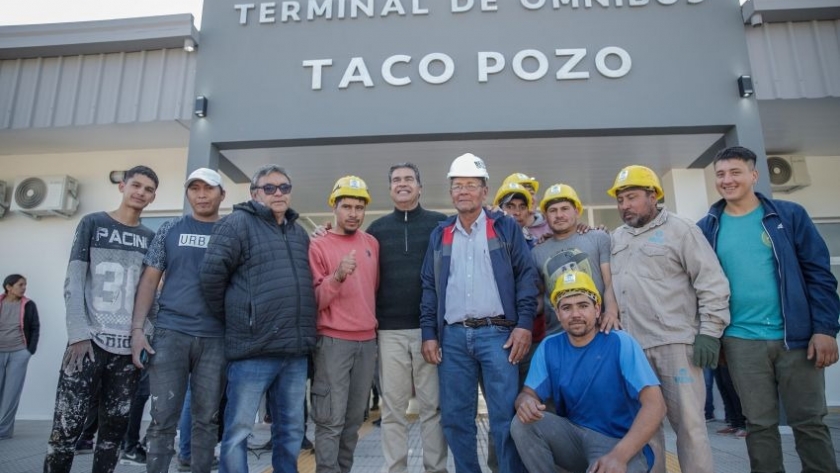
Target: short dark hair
{"x": 405, "y": 165}
{"x": 11, "y": 280}
{"x": 560, "y": 199}
{"x": 265, "y": 171}
{"x": 514, "y": 195}
{"x": 735, "y": 152}
{"x": 143, "y": 171}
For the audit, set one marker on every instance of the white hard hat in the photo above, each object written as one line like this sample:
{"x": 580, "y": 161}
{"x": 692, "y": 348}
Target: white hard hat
{"x": 468, "y": 165}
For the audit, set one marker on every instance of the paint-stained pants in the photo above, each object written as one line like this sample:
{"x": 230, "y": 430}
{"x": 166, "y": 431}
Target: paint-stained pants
{"x": 684, "y": 390}
{"x": 118, "y": 379}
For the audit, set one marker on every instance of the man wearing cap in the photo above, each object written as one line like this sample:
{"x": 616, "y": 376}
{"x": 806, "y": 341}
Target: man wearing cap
{"x": 607, "y": 397}
{"x": 477, "y": 312}
{"x": 674, "y": 300}
{"x": 532, "y": 221}
{"x": 256, "y": 278}
{"x": 188, "y": 342}
{"x": 345, "y": 272}
{"x": 403, "y": 237}
{"x": 784, "y": 313}
{"x": 569, "y": 250}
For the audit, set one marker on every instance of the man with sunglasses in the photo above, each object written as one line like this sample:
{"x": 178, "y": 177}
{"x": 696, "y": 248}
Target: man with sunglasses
{"x": 256, "y": 277}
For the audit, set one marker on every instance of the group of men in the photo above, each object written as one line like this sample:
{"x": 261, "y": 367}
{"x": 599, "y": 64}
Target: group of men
{"x": 448, "y": 304}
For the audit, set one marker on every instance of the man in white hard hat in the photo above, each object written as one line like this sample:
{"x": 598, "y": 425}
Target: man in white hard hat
{"x": 477, "y": 311}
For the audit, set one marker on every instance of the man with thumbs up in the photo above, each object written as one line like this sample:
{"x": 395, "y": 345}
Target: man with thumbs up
{"x": 345, "y": 272}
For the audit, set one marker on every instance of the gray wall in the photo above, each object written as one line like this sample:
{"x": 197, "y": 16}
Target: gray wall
{"x": 686, "y": 58}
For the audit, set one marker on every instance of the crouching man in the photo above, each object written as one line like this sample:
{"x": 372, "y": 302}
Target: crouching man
{"x": 601, "y": 425}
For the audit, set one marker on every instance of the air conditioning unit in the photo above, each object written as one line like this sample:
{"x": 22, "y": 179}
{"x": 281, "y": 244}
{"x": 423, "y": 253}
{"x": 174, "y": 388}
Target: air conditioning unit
{"x": 4, "y": 202}
{"x": 43, "y": 196}
{"x": 788, "y": 173}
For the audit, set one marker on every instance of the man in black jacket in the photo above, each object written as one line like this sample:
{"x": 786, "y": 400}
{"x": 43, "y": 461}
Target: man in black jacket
{"x": 403, "y": 239}
{"x": 256, "y": 277}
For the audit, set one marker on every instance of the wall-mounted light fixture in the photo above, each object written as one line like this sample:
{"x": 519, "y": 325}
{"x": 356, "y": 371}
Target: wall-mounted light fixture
{"x": 189, "y": 45}
{"x": 116, "y": 177}
{"x": 745, "y": 86}
{"x": 200, "y": 109}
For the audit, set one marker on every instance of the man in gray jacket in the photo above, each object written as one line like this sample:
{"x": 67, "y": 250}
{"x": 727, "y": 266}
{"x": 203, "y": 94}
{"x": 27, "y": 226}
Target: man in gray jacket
{"x": 255, "y": 276}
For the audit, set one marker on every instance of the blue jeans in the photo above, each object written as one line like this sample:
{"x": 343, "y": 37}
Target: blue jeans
{"x": 467, "y": 354}
{"x": 709, "y": 378}
{"x": 285, "y": 380}
{"x": 185, "y": 428}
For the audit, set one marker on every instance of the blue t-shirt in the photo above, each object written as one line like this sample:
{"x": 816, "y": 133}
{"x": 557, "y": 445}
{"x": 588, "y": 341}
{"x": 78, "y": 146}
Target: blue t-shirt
{"x": 746, "y": 255}
{"x": 596, "y": 386}
{"x": 178, "y": 250}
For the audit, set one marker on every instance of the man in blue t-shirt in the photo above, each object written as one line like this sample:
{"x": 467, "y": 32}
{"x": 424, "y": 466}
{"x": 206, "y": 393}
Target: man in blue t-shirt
{"x": 784, "y": 308}
{"x": 188, "y": 342}
{"x": 608, "y": 400}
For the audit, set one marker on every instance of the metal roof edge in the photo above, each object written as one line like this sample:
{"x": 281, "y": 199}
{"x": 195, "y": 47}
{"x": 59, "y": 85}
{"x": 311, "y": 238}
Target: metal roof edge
{"x": 97, "y": 37}
{"x": 758, "y": 12}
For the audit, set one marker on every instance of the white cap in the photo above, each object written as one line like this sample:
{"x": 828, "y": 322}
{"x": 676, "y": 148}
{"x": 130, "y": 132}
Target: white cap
{"x": 207, "y": 175}
{"x": 468, "y": 165}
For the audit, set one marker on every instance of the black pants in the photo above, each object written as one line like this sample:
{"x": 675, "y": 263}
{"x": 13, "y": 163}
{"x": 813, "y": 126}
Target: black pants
{"x": 117, "y": 379}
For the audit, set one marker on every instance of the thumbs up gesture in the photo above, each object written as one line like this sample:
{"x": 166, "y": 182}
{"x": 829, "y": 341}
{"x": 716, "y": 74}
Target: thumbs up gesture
{"x": 346, "y": 267}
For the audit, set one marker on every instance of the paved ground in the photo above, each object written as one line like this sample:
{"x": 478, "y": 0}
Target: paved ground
{"x": 25, "y": 452}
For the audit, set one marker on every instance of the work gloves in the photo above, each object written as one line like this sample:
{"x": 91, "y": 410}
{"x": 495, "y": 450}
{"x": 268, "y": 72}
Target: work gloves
{"x": 706, "y": 351}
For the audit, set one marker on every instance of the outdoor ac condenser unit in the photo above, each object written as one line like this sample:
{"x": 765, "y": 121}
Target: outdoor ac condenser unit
{"x": 788, "y": 173}
{"x": 4, "y": 202}
{"x": 42, "y": 196}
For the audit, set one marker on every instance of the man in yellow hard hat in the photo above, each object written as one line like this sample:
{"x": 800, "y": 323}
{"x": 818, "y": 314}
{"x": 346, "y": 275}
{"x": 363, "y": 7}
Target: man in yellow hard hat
{"x": 477, "y": 311}
{"x": 608, "y": 400}
{"x": 569, "y": 250}
{"x": 674, "y": 299}
{"x": 345, "y": 272}
{"x": 533, "y": 223}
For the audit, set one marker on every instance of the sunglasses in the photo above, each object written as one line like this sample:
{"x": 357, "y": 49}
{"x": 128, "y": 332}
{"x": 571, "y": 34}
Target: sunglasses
{"x": 270, "y": 189}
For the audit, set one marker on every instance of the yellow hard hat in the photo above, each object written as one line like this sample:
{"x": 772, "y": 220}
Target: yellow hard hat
{"x": 560, "y": 191}
{"x": 573, "y": 283}
{"x": 636, "y": 176}
{"x": 515, "y": 189}
{"x": 349, "y": 186}
{"x": 522, "y": 179}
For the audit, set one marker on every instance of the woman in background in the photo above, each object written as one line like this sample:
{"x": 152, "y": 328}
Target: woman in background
{"x": 19, "y": 332}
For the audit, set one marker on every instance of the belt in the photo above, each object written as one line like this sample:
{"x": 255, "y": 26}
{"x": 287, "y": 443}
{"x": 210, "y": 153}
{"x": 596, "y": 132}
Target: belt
{"x": 499, "y": 321}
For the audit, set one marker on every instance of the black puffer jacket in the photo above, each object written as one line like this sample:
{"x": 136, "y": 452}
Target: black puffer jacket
{"x": 256, "y": 277}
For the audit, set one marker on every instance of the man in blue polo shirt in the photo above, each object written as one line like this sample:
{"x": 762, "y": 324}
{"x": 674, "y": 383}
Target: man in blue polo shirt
{"x": 601, "y": 424}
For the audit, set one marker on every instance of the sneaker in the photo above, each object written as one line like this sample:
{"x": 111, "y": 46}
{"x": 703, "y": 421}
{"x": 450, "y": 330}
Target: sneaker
{"x": 184, "y": 464}
{"x": 741, "y": 433}
{"x": 84, "y": 446}
{"x": 134, "y": 456}
{"x": 710, "y": 419}
{"x": 728, "y": 430}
